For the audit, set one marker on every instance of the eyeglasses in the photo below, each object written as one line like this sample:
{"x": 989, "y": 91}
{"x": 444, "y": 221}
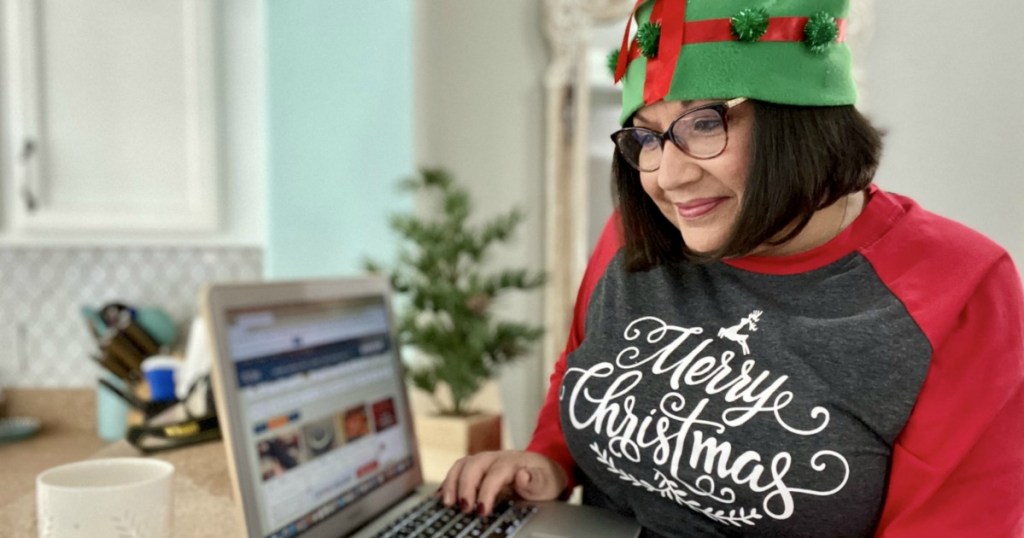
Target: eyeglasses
{"x": 701, "y": 133}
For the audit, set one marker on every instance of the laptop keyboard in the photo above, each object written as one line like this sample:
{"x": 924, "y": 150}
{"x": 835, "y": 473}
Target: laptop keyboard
{"x": 431, "y": 519}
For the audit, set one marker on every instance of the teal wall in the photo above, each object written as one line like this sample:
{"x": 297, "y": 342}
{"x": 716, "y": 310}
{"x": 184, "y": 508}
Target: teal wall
{"x": 339, "y": 114}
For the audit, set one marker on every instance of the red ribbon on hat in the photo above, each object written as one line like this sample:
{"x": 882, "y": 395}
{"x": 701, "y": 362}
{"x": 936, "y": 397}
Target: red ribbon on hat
{"x": 779, "y": 29}
{"x": 672, "y": 17}
{"x": 620, "y": 66}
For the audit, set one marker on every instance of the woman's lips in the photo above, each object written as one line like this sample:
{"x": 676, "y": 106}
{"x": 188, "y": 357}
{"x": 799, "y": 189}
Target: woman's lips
{"x": 698, "y": 208}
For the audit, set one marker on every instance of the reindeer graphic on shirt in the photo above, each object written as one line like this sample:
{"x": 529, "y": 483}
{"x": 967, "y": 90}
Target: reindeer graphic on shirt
{"x": 733, "y": 333}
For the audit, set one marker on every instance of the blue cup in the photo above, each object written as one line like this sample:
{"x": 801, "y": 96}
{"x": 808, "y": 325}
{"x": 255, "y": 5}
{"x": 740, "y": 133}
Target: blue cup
{"x": 160, "y": 372}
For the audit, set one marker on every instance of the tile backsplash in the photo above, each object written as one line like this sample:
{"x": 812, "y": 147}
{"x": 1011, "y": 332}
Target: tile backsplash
{"x": 44, "y": 341}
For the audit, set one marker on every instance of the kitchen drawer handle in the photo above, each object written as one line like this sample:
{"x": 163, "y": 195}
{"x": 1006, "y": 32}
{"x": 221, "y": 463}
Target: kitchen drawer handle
{"x": 27, "y": 153}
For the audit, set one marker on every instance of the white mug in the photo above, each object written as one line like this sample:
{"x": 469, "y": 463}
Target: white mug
{"x": 112, "y": 497}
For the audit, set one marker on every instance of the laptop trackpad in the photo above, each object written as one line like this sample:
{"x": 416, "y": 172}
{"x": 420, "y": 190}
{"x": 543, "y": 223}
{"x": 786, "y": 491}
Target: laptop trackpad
{"x": 560, "y": 520}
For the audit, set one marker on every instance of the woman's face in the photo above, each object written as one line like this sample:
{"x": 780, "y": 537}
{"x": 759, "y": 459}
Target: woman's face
{"x": 702, "y": 198}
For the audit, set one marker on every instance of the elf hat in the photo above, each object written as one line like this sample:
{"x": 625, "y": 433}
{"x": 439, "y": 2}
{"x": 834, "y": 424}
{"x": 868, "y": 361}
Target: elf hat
{"x": 782, "y": 51}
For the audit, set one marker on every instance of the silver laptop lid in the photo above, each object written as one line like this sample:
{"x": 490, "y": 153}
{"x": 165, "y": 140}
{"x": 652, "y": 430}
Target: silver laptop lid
{"x": 312, "y": 403}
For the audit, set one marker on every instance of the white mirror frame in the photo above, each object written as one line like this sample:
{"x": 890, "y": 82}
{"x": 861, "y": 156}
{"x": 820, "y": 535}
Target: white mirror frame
{"x": 567, "y": 26}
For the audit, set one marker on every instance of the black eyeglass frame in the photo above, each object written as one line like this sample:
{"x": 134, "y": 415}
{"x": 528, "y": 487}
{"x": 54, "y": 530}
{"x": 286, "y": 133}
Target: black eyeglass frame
{"x": 722, "y": 108}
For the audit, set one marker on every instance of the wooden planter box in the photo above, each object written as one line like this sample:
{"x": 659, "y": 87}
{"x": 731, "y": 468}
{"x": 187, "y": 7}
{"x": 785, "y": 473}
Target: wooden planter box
{"x": 459, "y": 435}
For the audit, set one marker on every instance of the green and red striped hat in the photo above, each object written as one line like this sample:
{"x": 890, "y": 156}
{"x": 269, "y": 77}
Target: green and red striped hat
{"x": 781, "y": 51}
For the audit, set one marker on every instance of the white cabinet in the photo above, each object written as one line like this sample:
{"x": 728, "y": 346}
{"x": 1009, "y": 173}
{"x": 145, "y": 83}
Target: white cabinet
{"x": 110, "y": 117}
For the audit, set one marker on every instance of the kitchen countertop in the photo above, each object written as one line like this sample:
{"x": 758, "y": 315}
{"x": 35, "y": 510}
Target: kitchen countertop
{"x": 203, "y": 504}
{"x": 203, "y": 500}
{"x": 63, "y": 437}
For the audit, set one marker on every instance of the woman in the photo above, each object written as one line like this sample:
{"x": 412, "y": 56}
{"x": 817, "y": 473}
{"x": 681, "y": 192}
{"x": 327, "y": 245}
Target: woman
{"x": 766, "y": 343}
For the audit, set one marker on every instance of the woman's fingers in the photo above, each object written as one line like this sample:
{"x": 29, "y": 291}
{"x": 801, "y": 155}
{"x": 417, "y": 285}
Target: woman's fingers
{"x": 540, "y": 479}
{"x": 499, "y": 477}
{"x": 463, "y": 479}
{"x": 474, "y": 482}
{"x": 525, "y": 483}
{"x": 446, "y": 491}
{"x": 473, "y": 473}
{"x": 449, "y": 487}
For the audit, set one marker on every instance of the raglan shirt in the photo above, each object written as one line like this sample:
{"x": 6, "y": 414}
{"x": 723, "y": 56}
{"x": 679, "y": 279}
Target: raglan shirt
{"x": 871, "y": 385}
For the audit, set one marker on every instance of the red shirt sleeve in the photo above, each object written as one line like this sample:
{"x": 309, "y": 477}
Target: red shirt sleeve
{"x": 958, "y": 466}
{"x": 548, "y": 438}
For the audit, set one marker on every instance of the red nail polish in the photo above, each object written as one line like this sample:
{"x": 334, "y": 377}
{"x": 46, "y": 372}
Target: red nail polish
{"x": 463, "y": 505}
{"x": 480, "y": 509}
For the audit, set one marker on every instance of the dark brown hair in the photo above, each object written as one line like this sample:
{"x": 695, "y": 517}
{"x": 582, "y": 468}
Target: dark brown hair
{"x": 802, "y": 158}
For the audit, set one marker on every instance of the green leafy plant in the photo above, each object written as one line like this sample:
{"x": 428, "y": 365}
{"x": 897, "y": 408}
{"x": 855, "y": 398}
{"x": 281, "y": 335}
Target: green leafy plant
{"x": 447, "y": 294}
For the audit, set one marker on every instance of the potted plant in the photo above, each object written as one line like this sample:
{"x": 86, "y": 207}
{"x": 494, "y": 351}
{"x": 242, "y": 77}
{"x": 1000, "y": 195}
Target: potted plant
{"x": 445, "y": 307}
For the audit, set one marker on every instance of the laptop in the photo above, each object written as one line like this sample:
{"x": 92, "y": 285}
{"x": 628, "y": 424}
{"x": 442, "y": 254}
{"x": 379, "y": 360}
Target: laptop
{"x": 320, "y": 440}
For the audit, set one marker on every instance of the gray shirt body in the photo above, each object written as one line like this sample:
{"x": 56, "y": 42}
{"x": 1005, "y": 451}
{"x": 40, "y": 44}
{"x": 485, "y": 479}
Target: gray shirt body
{"x": 706, "y": 400}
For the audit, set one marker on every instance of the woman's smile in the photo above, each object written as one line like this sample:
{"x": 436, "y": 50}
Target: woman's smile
{"x": 698, "y": 208}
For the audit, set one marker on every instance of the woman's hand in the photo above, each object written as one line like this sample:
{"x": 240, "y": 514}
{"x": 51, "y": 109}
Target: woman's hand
{"x": 475, "y": 481}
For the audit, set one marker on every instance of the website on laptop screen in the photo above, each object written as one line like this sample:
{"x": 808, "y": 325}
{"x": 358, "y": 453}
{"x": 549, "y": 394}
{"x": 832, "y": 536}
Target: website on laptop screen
{"x": 321, "y": 405}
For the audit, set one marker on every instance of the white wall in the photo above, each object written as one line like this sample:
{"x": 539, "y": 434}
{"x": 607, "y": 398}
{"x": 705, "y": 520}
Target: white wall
{"x": 243, "y": 118}
{"x": 946, "y": 81}
{"x": 479, "y": 113}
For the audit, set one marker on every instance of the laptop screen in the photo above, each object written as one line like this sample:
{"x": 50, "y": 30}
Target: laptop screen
{"x": 321, "y": 406}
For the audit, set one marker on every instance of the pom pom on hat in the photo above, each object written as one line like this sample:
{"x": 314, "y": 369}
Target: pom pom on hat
{"x": 647, "y": 37}
{"x": 613, "y": 61}
{"x": 820, "y": 32}
{"x": 750, "y": 24}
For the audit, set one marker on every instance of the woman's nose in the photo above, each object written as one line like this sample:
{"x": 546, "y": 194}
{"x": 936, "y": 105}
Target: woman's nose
{"x": 677, "y": 168}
